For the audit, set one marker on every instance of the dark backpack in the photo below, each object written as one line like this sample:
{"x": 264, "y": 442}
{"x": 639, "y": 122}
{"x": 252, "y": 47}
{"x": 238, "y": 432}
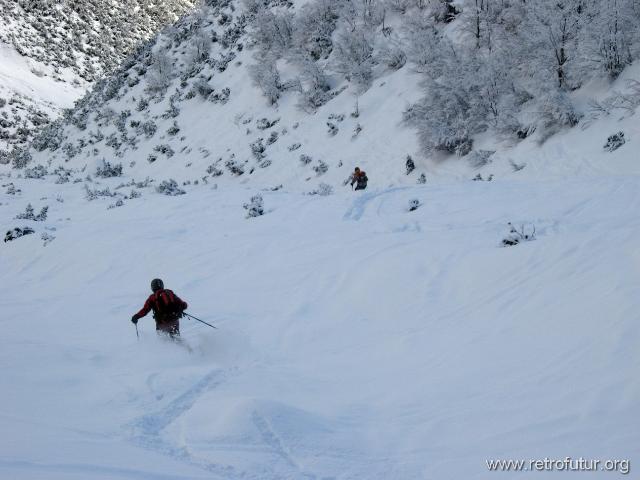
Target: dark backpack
{"x": 167, "y": 305}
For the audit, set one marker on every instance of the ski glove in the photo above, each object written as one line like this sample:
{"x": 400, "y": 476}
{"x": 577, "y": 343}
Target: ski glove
{"x": 134, "y": 320}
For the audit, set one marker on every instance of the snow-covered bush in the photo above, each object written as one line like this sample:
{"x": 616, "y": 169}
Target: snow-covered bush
{"x": 324, "y": 189}
{"x": 353, "y": 56}
{"x": 29, "y": 214}
{"x": 234, "y": 167}
{"x": 50, "y": 137}
{"x": 17, "y": 233}
{"x": 305, "y": 159}
{"x": 265, "y": 123}
{"x": 108, "y": 170}
{"x": 255, "y": 207}
{"x": 518, "y": 236}
{"x": 214, "y": 171}
{"x": 480, "y": 158}
{"x": 258, "y": 149}
{"x": 321, "y": 168}
{"x": 414, "y": 204}
{"x": 169, "y": 187}
{"x": 556, "y": 112}
{"x": 410, "y": 165}
{"x": 90, "y": 194}
{"x": 422, "y": 179}
{"x": 614, "y": 142}
{"x": 173, "y": 130}
{"x": 265, "y": 75}
{"x": 20, "y": 157}
{"x": 12, "y": 190}
{"x": 37, "y": 172}
{"x": 149, "y": 128}
{"x": 164, "y": 149}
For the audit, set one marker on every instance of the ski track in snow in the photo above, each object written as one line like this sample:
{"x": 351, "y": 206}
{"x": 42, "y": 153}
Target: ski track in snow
{"x": 359, "y": 206}
{"x": 148, "y": 428}
{"x": 278, "y": 446}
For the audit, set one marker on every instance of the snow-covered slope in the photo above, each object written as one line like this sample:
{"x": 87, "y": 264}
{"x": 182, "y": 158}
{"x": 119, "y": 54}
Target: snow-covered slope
{"x": 186, "y": 107}
{"x": 356, "y": 339}
{"x": 50, "y": 52}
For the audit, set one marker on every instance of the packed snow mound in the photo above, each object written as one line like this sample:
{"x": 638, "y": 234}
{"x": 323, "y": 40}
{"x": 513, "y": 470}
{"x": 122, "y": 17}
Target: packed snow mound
{"x": 357, "y": 338}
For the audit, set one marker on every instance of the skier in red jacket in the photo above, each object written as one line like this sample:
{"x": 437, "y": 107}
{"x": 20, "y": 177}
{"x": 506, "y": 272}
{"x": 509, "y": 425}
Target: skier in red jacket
{"x": 167, "y": 309}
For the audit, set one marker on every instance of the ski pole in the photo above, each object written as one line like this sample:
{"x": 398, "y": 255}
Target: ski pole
{"x": 137, "y": 334}
{"x": 201, "y": 321}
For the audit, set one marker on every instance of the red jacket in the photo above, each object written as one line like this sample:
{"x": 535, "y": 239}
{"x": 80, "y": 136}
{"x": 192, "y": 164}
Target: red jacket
{"x": 154, "y": 302}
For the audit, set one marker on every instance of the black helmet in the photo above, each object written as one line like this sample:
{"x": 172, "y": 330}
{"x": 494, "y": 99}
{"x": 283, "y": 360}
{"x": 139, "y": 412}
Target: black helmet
{"x": 156, "y": 284}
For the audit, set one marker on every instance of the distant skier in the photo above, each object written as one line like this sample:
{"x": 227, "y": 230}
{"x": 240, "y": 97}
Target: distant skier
{"x": 167, "y": 309}
{"x": 359, "y": 179}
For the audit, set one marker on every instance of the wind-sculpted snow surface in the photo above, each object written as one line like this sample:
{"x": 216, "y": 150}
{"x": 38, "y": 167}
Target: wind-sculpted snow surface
{"x": 356, "y": 339}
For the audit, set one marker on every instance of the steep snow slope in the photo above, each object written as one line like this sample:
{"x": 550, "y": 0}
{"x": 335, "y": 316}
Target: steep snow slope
{"x": 202, "y": 119}
{"x": 356, "y": 340}
{"x": 31, "y": 95}
{"x": 51, "y": 52}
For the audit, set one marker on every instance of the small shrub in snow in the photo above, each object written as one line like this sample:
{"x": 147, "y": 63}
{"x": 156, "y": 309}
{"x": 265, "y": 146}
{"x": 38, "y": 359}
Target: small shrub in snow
{"x": 234, "y": 167}
{"x": 321, "y": 168}
{"x": 132, "y": 195}
{"x": 149, "y": 128}
{"x": 263, "y": 123}
{"x": 273, "y": 138}
{"x": 333, "y": 130}
{"x": 152, "y": 158}
{"x": 29, "y": 214}
{"x": 170, "y": 187}
{"x": 305, "y": 159}
{"x": 422, "y": 178}
{"x": 222, "y": 97}
{"x": 264, "y": 163}
{"x": 47, "y": 238}
{"x": 410, "y": 165}
{"x": 174, "y": 129}
{"x": 36, "y": 172}
{"x": 257, "y": 148}
{"x": 164, "y": 149}
{"x": 97, "y": 193}
{"x": 12, "y": 190}
{"x": 20, "y": 157}
{"x": 392, "y": 56}
{"x": 255, "y": 207}
{"x": 518, "y": 236}
{"x": 324, "y": 189}
{"x": 143, "y": 104}
{"x": 414, "y": 204}
{"x": 214, "y": 171}
{"x": 202, "y": 88}
{"x": 356, "y": 131}
{"x": 478, "y": 178}
{"x": 17, "y": 233}
{"x": 107, "y": 170}
{"x": 119, "y": 203}
{"x": 294, "y": 146}
{"x": 517, "y": 166}
{"x": 480, "y": 158}
{"x": 614, "y": 142}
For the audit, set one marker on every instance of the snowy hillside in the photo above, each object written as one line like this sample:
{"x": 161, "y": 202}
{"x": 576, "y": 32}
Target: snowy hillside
{"x": 261, "y": 94}
{"x": 356, "y": 339}
{"x": 477, "y": 302}
{"x": 51, "y": 51}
